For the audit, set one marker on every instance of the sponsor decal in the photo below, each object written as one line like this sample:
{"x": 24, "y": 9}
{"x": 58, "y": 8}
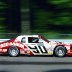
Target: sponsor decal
{"x": 4, "y": 50}
{"x": 0, "y": 50}
{"x": 10, "y": 44}
{"x": 50, "y": 52}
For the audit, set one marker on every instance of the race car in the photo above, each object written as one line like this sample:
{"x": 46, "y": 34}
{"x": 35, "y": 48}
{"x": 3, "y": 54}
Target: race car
{"x": 34, "y": 45}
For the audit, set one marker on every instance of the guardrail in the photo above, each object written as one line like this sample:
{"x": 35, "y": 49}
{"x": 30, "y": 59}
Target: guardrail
{"x": 59, "y": 40}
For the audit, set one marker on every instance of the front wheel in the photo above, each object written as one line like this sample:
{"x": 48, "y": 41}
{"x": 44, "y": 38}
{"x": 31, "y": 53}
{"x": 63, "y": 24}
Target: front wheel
{"x": 60, "y": 51}
{"x": 13, "y": 51}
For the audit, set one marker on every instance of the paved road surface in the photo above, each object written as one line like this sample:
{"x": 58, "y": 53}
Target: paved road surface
{"x": 35, "y": 64}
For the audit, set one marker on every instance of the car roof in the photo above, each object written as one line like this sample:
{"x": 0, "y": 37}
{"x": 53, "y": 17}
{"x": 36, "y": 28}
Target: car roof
{"x": 29, "y": 35}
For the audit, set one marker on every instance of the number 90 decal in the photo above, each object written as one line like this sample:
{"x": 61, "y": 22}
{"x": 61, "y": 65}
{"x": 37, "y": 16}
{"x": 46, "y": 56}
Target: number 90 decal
{"x": 38, "y": 49}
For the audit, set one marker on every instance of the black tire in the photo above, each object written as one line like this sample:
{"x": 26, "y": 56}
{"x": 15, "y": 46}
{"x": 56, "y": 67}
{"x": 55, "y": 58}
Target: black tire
{"x": 13, "y": 51}
{"x": 60, "y": 51}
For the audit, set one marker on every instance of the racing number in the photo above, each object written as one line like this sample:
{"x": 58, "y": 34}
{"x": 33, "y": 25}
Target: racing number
{"x": 39, "y": 49}
{"x": 42, "y": 49}
{"x": 35, "y": 50}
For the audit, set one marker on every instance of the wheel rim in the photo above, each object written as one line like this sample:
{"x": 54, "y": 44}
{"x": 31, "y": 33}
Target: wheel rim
{"x": 13, "y": 51}
{"x": 60, "y": 52}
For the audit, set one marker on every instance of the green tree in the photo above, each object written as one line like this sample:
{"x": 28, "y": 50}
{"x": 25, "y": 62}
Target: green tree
{"x": 52, "y": 16}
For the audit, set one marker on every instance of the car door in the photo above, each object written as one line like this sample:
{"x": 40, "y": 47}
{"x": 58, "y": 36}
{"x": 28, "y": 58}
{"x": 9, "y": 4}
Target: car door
{"x": 36, "y": 47}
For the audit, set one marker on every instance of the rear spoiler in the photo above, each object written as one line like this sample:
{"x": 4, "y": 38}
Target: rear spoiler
{"x": 2, "y": 40}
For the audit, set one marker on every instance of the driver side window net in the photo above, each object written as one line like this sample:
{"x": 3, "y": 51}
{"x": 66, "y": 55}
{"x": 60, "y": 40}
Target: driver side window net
{"x": 33, "y": 40}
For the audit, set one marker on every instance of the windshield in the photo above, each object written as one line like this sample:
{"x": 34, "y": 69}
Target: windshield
{"x": 44, "y": 39}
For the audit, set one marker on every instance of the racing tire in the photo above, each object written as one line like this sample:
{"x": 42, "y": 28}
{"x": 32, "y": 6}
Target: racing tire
{"x": 60, "y": 51}
{"x": 13, "y": 51}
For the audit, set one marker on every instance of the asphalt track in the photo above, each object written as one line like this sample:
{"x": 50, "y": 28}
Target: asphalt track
{"x": 35, "y": 64}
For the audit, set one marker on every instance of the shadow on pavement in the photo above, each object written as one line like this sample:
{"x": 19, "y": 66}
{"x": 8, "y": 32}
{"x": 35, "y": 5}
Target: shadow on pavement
{"x": 6, "y": 55}
{"x": 33, "y": 63}
{"x": 4, "y": 71}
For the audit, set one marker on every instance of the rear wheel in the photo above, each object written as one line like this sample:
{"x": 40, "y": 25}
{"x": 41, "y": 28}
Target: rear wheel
{"x": 60, "y": 51}
{"x": 13, "y": 51}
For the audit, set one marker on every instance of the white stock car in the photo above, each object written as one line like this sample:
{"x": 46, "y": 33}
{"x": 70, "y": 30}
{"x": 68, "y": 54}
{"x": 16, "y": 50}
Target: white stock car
{"x": 34, "y": 45}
